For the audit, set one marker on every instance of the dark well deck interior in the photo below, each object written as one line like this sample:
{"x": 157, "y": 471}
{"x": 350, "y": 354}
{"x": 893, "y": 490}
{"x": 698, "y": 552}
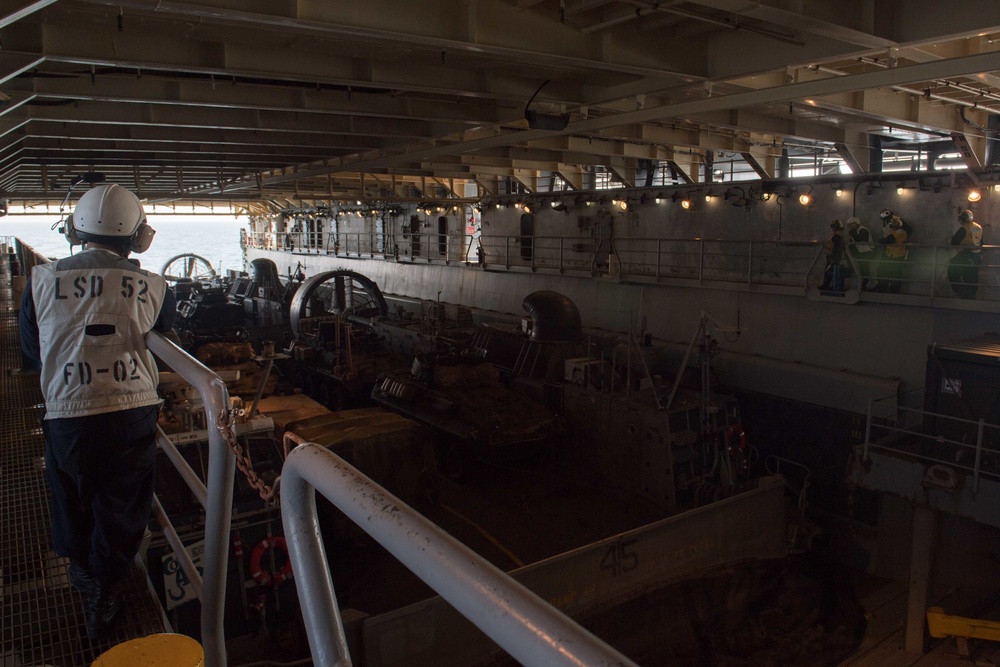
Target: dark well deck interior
{"x": 43, "y": 617}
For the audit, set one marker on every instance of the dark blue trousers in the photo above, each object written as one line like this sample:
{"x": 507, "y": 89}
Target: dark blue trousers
{"x": 101, "y": 471}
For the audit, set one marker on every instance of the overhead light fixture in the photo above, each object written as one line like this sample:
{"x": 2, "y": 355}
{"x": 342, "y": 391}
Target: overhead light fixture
{"x": 839, "y": 192}
{"x": 975, "y": 195}
{"x": 685, "y": 203}
{"x": 996, "y": 188}
{"x": 805, "y": 199}
{"x": 899, "y": 189}
{"x": 622, "y": 204}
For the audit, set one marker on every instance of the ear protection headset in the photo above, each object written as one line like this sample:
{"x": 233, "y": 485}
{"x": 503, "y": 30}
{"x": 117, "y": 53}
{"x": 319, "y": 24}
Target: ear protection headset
{"x": 142, "y": 238}
{"x": 69, "y": 231}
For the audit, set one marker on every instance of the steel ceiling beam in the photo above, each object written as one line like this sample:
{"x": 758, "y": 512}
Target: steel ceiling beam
{"x": 902, "y": 75}
{"x": 12, "y": 15}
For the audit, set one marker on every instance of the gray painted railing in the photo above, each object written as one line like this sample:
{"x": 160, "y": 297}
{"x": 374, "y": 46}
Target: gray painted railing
{"x": 523, "y": 624}
{"x": 790, "y": 267}
{"x": 216, "y": 496}
{"x": 969, "y": 445}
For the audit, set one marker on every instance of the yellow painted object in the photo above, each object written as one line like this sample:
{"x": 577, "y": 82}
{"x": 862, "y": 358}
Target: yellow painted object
{"x": 162, "y": 650}
{"x": 941, "y": 625}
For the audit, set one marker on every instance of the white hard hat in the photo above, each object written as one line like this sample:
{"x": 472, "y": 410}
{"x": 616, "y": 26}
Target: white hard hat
{"x": 853, "y": 221}
{"x": 110, "y": 214}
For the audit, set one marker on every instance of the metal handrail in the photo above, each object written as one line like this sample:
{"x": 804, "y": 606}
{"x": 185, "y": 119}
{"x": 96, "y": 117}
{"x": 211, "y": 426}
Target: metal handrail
{"x": 531, "y": 630}
{"x": 887, "y": 426}
{"x": 784, "y": 265}
{"x": 217, "y": 494}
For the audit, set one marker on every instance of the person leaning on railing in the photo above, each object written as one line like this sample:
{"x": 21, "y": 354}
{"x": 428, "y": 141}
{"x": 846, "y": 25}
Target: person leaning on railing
{"x": 963, "y": 268}
{"x": 833, "y": 275}
{"x": 83, "y": 322}
{"x": 890, "y": 269}
{"x": 864, "y": 250}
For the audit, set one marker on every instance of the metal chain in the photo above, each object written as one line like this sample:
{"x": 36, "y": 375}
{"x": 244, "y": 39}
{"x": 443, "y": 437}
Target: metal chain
{"x": 227, "y": 427}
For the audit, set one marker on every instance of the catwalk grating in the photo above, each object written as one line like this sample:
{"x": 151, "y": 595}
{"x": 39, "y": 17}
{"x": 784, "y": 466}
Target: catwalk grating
{"x": 42, "y": 617}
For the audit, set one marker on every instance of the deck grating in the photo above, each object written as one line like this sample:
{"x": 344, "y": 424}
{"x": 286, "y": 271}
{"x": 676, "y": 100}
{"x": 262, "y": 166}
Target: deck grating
{"x": 42, "y": 617}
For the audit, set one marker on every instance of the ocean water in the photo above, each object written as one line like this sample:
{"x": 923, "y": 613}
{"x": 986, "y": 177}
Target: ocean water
{"x": 214, "y": 237}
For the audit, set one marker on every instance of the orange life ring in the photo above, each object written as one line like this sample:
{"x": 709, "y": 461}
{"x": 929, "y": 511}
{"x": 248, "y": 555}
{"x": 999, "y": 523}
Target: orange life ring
{"x": 736, "y": 437}
{"x": 257, "y": 572}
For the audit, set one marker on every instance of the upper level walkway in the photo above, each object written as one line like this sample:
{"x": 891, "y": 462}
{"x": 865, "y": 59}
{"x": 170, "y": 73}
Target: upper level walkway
{"x": 43, "y": 618}
{"x": 918, "y": 275}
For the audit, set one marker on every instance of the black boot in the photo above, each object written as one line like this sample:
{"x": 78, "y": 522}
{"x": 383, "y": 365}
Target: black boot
{"x": 102, "y": 610}
{"x": 82, "y": 580}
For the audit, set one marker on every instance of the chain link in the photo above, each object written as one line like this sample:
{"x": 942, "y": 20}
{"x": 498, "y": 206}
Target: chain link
{"x": 227, "y": 427}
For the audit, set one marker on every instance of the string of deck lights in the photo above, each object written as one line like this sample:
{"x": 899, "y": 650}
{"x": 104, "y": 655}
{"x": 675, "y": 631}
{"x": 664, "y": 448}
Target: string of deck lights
{"x": 623, "y": 200}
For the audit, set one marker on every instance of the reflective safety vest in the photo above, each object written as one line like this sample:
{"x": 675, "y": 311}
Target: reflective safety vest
{"x": 94, "y": 310}
{"x": 973, "y": 235}
{"x": 898, "y": 236}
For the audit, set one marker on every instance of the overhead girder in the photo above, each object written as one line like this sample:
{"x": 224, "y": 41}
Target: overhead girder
{"x": 762, "y": 162}
{"x": 479, "y": 29}
{"x": 18, "y": 10}
{"x": 623, "y": 170}
{"x": 854, "y": 27}
{"x": 231, "y": 119}
{"x": 573, "y": 175}
{"x": 333, "y": 143}
{"x": 280, "y": 154}
{"x": 158, "y": 45}
{"x": 855, "y": 156}
{"x": 329, "y": 79}
{"x": 476, "y": 29}
{"x": 226, "y": 94}
{"x": 488, "y": 184}
{"x": 897, "y": 104}
{"x": 917, "y": 22}
{"x": 901, "y": 75}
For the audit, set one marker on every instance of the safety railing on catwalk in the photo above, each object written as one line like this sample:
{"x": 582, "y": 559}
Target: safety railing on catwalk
{"x": 443, "y": 248}
{"x": 215, "y": 494}
{"x": 921, "y": 270}
{"x": 531, "y": 630}
{"x": 951, "y": 452}
{"x": 20, "y": 258}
